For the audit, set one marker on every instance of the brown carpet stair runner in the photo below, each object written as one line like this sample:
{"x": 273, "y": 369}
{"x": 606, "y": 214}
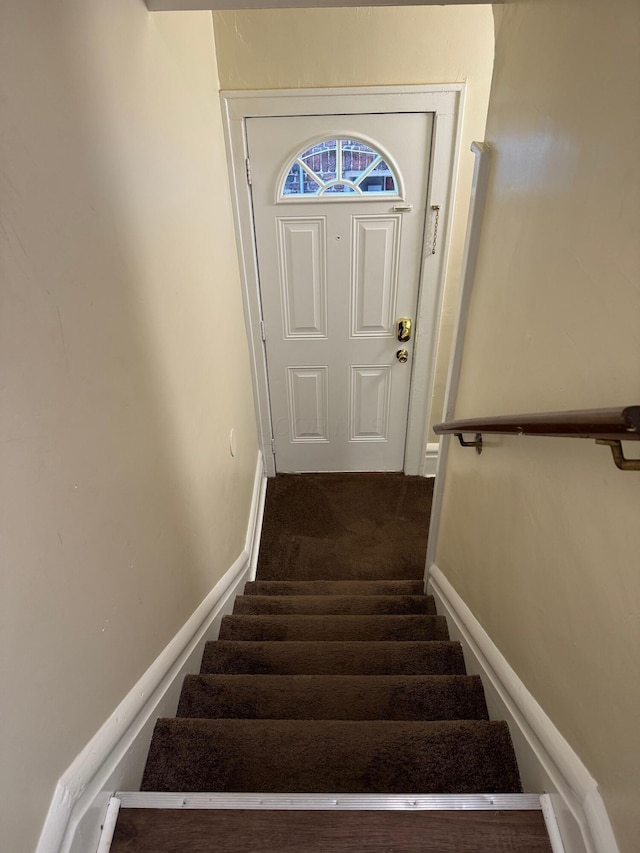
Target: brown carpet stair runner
{"x": 334, "y": 658}
{"x": 330, "y": 627}
{"x": 351, "y": 588}
{"x": 333, "y": 697}
{"x": 345, "y": 605}
{"x": 337, "y": 527}
{"x": 334, "y": 675}
{"x": 337, "y": 732}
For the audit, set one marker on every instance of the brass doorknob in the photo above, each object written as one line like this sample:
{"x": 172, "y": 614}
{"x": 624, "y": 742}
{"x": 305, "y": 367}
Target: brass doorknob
{"x": 402, "y": 355}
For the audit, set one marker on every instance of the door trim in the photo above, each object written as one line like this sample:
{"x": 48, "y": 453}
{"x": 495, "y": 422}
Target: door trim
{"x": 446, "y": 102}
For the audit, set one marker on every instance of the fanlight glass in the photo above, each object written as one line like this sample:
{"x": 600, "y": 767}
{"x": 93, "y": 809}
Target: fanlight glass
{"x": 339, "y": 166}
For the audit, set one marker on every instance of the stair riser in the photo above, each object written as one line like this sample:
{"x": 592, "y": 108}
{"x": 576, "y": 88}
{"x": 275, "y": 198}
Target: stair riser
{"x": 328, "y": 569}
{"x": 334, "y": 658}
{"x": 307, "y": 697}
{"x": 352, "y": 605}
{"x": 331, "y": 756}
{"x": 334, "y": 588}
{"x": 348, "y": 628}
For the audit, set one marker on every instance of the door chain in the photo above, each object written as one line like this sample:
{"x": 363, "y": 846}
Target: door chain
{"x": 436, "y": 208}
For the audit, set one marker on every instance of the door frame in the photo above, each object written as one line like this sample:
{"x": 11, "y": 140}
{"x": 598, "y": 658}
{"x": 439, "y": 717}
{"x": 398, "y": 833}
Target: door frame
{"x": 446, "y": 102}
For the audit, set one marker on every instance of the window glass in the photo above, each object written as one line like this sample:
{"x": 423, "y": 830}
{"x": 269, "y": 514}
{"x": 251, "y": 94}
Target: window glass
{"x": 339, "y": 166}
{"x": 299, "y": 182}
{"x": 339, "y": 188}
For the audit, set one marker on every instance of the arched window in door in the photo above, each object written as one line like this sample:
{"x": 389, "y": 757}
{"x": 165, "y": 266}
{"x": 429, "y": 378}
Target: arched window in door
{"x": 344, "y": 166}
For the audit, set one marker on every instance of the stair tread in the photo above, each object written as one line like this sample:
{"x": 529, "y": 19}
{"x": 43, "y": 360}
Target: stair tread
{"x": 334, "y": 657}
{"x": 261, "y": 831}
{"x": 334, "y": 697}
{"x": 336, "y": 756}
{"x": 351, "y": 605}
{"x": 335, "y": 587}
{"x": 331, "y": 627}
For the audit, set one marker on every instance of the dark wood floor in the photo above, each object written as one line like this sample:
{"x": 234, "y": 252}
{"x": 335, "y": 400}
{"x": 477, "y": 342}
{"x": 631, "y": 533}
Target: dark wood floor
{"x": 257, "y": 831}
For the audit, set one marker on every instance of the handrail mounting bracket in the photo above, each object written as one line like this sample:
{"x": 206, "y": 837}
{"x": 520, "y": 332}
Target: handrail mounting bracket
{"x": 619, "y": 458}
{"x": 477, "y": 443}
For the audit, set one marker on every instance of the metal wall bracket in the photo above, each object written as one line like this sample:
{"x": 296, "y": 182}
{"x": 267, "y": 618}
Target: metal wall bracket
{"x": 619, "y": 458}
{"x": 477, "y": 443}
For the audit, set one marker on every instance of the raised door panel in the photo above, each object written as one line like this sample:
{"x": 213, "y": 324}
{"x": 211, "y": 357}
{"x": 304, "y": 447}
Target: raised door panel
{"x": 370, "y": 403}
{"x": 375, "y": 245}
{"x": 303, "y": 283}
{"x": 308, "y": 403}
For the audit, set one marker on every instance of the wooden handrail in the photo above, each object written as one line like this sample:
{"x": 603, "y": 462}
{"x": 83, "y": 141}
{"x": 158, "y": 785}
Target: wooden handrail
{"x": 617, "y": 424}
{"x": 606, "y": 426}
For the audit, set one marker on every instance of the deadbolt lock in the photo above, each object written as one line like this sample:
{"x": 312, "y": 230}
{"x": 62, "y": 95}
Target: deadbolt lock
{"x": 404, "y": 329}
{"x": 402, "y": 355}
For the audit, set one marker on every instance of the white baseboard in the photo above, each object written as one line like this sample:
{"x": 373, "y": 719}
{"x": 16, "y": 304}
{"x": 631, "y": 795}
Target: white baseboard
{"x": 431, "y": 459}
{"x": 114, "y": 758}
{"x": 547, "y": 763}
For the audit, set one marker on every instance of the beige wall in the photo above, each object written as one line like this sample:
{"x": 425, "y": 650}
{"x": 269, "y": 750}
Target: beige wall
{"x": 292, "y": 48}
{"x": 121, "y": 378}
{"x": 547, "y": 557}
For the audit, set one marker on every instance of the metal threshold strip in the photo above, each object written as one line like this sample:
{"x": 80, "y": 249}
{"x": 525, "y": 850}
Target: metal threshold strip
{"x": 328, "y": 802}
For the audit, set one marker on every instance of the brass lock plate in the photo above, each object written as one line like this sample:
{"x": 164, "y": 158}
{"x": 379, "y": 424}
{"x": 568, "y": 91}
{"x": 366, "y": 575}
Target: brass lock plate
{"x": 403, "y": 329}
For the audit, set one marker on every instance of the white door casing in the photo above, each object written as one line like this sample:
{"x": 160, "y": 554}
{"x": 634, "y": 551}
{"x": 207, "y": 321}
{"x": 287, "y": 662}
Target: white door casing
{"x": 445, "y": 103}
{"x": 336, "y": 271}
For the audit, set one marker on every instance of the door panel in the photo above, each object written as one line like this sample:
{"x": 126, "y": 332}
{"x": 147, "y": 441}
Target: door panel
{"x": 308, "y": 403}
{"x": 370, "y": 401}
{"x": 374, "y": 280}
{"x": 336, "y": 271}
{"x": 302, "y": 247}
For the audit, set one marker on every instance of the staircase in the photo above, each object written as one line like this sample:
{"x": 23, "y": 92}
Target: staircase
{"x": 346, "y": 687}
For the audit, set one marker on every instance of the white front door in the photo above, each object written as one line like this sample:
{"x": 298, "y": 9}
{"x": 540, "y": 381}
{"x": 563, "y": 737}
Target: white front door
{"x": 339, "y": 213}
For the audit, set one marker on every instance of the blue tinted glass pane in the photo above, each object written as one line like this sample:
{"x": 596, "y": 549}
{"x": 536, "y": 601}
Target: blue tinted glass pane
{"x": 322, "y": 159}
{"x": 298, "y": 182}
{"x": 340, "y": 188}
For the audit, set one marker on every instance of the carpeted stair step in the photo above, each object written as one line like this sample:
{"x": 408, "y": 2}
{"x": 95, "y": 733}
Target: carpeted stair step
{"x": 334, "y": 604}
{"x": 334, "y": 566}
{"x": 334, "y": 697}
{"x": 334, "y": 628}
{"x": 334, "y": 587}
{"x": 333, "y": 658}
{"x": 331, "y": 756}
